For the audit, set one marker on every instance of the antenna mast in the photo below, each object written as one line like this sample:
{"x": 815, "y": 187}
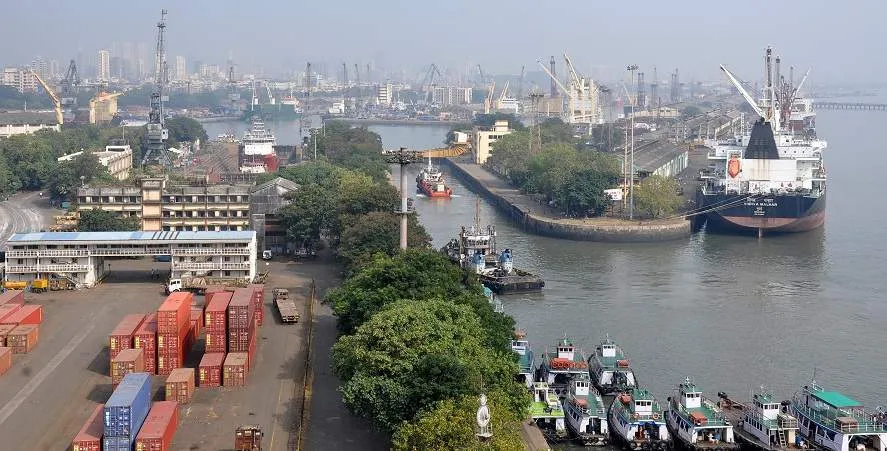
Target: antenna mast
{"x": 156, "y": 134}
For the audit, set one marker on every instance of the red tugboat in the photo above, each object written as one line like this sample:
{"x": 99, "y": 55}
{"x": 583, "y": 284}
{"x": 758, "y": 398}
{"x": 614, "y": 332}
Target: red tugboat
{"x": 430, "y": 182}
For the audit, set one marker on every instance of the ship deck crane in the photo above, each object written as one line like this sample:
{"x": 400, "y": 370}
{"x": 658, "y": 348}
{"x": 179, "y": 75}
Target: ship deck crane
{"x": 56, "y": 102}
{"x": 748, "y": 98}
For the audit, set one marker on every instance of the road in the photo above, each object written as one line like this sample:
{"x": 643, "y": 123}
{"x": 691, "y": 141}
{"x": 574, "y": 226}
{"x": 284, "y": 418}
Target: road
{"x": 23, "y": 212}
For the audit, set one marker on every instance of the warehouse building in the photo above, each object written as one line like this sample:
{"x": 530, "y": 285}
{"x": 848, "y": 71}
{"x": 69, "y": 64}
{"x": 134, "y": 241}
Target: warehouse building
{"x": 80, "y": 256}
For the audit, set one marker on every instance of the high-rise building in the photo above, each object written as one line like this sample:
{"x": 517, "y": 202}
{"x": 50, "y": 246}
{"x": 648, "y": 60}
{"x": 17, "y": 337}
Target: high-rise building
{"x": 181, "y": 69}
{"x": 103, "y": 66}
{"x": 41, "y": 66}
{"x": 19, "y": 78}
{"x": 54, "y": 69}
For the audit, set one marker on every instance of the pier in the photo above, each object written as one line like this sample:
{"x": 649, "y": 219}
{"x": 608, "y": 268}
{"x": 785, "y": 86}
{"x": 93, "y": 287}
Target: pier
{"x": 851, "y": 106}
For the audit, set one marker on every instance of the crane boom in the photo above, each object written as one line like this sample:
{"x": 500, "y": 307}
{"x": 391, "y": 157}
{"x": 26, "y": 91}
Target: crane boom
{"x": 553, "y": 78}
{"x": 520, "y": 83}
{"x": 441, "y": 152}
{"x": 748, "y": 98}
{"x": 504, "y": 91}
{"x": 800, "y": 85}
{"x": 56, "y": 102}
{"x": 577, "y": 81}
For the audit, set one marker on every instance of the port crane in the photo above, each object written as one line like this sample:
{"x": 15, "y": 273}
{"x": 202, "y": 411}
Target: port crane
{"x": 156, "y": 133}
{"x": 582, "y": 95}
{"x": 68, "y": 86}
{"x": 56, "y": 102}
{"x": 428, "y": 83}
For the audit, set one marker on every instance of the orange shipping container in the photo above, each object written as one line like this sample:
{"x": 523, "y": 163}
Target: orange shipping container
{"x": 180, "y": 385}
{"x": 210, "y": 369}
{"x": 160, "y": 426}
{"x": 5, "y": 329}
{"x": 121, "y": 337}
{"x": 146, "y": 338}
{"x": 12, "y": 297}
{"x": 216, "y": 312}
{"x": 8, "y": 309}
{"x": 23, "y": 338}
{"x": 90, "y": 436}
{"x": 5, "y": 359}
{"x": 235, "y": 370}
{"x": 127, "y": 361}
{"x": 174, "y": 314}
{"x": 28, "y": 314}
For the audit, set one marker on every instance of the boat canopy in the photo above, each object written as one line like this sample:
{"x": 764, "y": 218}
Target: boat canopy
{"x": 835, "y": 399}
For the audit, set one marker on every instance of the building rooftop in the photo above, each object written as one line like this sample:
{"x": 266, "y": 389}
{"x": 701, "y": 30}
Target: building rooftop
{"x": 286, "y": 184}
{"x": 650, "y": 156}
{"x": 131, "y": 236}
{"x": 27, "y": 117}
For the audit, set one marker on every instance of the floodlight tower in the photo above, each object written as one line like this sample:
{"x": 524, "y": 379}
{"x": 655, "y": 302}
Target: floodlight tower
{"x": 404, "y": 158}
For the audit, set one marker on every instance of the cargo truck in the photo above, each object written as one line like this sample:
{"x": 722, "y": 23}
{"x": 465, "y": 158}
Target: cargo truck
{"x": 199, "y": 284}
{"x": 285, "y": 306}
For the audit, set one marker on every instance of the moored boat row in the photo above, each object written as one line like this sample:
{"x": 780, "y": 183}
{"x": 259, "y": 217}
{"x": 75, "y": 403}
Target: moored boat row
{"x": 813, "y": 418}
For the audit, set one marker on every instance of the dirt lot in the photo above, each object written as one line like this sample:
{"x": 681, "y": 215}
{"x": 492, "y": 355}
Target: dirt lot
{"x": 48, "y": 393}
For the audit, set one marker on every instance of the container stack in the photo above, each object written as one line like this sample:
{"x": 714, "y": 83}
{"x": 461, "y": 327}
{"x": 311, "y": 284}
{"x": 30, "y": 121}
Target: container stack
{"x": 125, "y": 412}
{"x": 23, "y": 338}
{"x": 8, "y": 309}
{"x": 25, "y": 314}
{"x": 159, "y": 428}
{"x": 180, "y": 385}
{"x": 5, "y": 329}
{"x": 195, "y": 327}
{"x": 122, "y": 336}
{"x": 216, "y": 322}
{"x": 210, "y": 369}
{"x": 12, "y": 297}
{"x": 236, "y": 369}
{"x": 5, "y": 359}
{"x": 173, "y": 320}
{"x": 90, "y": 436}
{"x": 241, "y": 320}
{"x": 259, "y": 299}
{"x": 127, "y": 361}
{"x": 145, "y": 339}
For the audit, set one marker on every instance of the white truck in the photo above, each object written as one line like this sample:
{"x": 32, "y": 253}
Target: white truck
{"x": 199, "y": 284}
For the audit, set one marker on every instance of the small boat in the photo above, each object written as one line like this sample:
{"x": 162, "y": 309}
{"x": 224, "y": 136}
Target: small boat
{"x": 586, "y": 417}
{"x": 697, "y": 423}
{"x": 558, "y": 368}
{"x": 610, "y": 370}
{"x": 764, "y": 424}
{"x": 547, "y": 412}
{"x": 638, "y": 421}
{"x": 430, "y": 182}
{"x": 525, "y": 358}
{"x": 835, "y": 422}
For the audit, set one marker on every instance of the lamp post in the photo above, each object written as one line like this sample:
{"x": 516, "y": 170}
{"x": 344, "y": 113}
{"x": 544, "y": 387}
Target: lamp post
{"x": 631, "y": 69}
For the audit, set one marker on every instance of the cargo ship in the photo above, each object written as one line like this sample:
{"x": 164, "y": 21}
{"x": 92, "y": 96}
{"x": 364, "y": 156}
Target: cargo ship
{"x": 475, "y": 250}
{"x": 430, "y": 182}
{"x": 257, "y": 154}
{"x": 773, "y": 179}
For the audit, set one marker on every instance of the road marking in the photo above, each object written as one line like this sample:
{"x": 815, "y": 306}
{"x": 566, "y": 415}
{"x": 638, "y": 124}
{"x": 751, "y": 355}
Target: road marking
{"x": 35, "y": 381}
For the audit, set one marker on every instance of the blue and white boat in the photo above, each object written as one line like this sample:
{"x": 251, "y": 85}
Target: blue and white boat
{"x": 696, "y": 422}
{"x": 638, "y": 421}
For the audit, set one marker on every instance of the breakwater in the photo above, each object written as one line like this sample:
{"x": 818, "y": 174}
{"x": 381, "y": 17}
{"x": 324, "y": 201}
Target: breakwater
{"x": 539, "y": 219}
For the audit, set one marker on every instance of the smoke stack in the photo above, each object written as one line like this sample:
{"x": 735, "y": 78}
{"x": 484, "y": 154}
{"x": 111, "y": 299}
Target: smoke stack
{"x": 554, "y": 75}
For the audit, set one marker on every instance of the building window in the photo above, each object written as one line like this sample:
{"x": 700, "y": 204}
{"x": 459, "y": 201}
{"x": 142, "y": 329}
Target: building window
{"x": 227, "y": 273}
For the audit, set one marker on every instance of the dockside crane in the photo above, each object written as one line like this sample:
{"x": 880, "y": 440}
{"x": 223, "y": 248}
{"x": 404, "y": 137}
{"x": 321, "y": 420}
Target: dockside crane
{"x": 156, "y": 133}
{"x": 103, "y": 107}
{"x": 56, "y": 102}
{"x": 69, "y": 85}
{"x": 428, "y": 83}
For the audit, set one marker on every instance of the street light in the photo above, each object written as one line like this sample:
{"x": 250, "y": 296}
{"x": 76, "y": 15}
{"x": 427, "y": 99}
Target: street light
{"x": 631, "y": 68}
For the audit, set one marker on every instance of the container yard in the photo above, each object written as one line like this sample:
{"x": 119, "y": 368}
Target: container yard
{"x": 70, "y": 372}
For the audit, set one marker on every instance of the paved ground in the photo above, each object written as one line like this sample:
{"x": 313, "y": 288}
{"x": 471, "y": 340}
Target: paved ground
{"x": 24, "y": 212}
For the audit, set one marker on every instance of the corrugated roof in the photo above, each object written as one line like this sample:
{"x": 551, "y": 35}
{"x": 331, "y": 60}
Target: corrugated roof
{"x": 133, "y": 236}
{"x": 27, "y": 117}
{"x": 279, "y": 181}
{"x": 836, "y": 399}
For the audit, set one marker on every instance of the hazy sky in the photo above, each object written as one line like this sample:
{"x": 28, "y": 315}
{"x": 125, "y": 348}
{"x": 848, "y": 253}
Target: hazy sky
{"x": 842, "y": 40}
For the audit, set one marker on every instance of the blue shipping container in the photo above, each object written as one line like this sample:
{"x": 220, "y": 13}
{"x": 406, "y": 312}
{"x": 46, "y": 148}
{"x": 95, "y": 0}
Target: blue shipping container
{"x": 128, "y": 406}
{"x": 116, "y": 444}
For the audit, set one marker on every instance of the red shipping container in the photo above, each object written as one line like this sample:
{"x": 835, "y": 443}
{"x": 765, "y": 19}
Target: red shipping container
{"x": 121, "y": 337}
{"x": 5, "y": 329}
{"x": 23, "y": 338}
{"x": 180, "y": 385}
{"x": 90, "y": 436}
{"x": 27, "y": 314}
{"x": 210, "y": 369}
{"x": 127, "y": 361}
{"x": 12, "y": 297}
{"x": 259, "y": 299}
{"x": 235, "y": 370}
{"x": 159, "y": 427}
{"x": 216, "y": 313}
{"x": 197, "y": 313}
{"x": 174, "y": 314}
{"x": 7, "y": 310}
{"x": 197, "y": 322}
{"x": 146, "y": 339}
{"x": 5, "y": 359}
{"x": 216, "y": 342}
{"x": 241, "y": 310}
{"x": 251, "y": 354}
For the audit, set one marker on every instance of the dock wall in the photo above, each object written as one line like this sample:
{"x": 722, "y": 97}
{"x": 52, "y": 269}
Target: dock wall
{"x": 520, "y": 209}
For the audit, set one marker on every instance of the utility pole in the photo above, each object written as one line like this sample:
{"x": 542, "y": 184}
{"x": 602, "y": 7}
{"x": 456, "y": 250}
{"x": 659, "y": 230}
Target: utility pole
{"x": 632, "y": 68}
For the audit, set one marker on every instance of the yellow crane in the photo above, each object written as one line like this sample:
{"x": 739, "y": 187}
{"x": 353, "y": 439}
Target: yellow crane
{"x": 453, "y": 150}
{"x": 56, "y": 102}
{"x": 488, "y": 101}
{"x": 103, "y": 107}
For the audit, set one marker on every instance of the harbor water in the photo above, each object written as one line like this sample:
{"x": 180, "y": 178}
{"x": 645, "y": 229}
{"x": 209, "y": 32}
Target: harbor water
{"x": 732, "y": 312}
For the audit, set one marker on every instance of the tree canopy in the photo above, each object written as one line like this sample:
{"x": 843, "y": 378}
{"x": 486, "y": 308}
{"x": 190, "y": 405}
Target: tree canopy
{"x": 106, "y": 221}
{"x": 656, "y": 196}
{"x": 351, "y": 147}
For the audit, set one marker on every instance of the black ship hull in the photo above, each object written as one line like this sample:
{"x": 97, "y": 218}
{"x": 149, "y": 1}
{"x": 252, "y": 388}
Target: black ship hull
{"x": 516, "y": 282}
{"x": 762, "y": 214}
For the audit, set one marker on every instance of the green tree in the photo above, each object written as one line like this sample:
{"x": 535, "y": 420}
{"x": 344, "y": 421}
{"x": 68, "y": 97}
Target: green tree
{"x": 449, "y": 425}
{"x": 309, "y": 214}
{"x": 378, "y": 232}
{"x": 106, "y": 221}
{"x": 184, "y": 129}
{"x": 355, "y": 148}
{"x": 690, "y": 111}
{"x": 656, "y": 196}
{"x": 319, "y": 172}
{"x": 381, "y": 363}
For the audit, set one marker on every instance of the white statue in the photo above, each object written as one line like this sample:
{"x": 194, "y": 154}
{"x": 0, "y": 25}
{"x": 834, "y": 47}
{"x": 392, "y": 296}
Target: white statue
{"x": 483, "y": 419}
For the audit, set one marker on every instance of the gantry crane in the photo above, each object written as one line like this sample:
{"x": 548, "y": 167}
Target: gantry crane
{"x": 68, "y": 86}
{"x": 56, "y": 102}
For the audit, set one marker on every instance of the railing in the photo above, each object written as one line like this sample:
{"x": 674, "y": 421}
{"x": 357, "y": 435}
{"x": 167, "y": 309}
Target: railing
{"x": 829, "y": 420}
{"x": 196, "y": 265}
{"x": 21, "y": 254}
{"x": 63, "y": 252}
{"x": 21, "y": 268}
{"x": 236, "y": 266}
{"x": 110, "y": 252}
{"x": 211, "y": 251}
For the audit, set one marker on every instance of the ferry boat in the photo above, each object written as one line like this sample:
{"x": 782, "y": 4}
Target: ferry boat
{"x": 559, "y": 367}
{"x": 548, "y": 413}
{"x": 584, "y": 409}
{"x": 638, "y": 420}
{"x": 697, "y": 423}
{"x": 525, "y": 359}
{"x": 765, "y": 425}
{"x": 430, "y": 182}
{"x": 257, "y": 149}
{"x": 832, "y": 421}
{"x": 610, "y": 370}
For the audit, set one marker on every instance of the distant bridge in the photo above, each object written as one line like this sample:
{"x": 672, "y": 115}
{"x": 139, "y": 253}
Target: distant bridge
{"x": 857, "y": 106}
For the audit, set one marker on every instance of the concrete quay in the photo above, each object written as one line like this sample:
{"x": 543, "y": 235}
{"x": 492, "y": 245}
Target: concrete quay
{"x": 540, "y": 219}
